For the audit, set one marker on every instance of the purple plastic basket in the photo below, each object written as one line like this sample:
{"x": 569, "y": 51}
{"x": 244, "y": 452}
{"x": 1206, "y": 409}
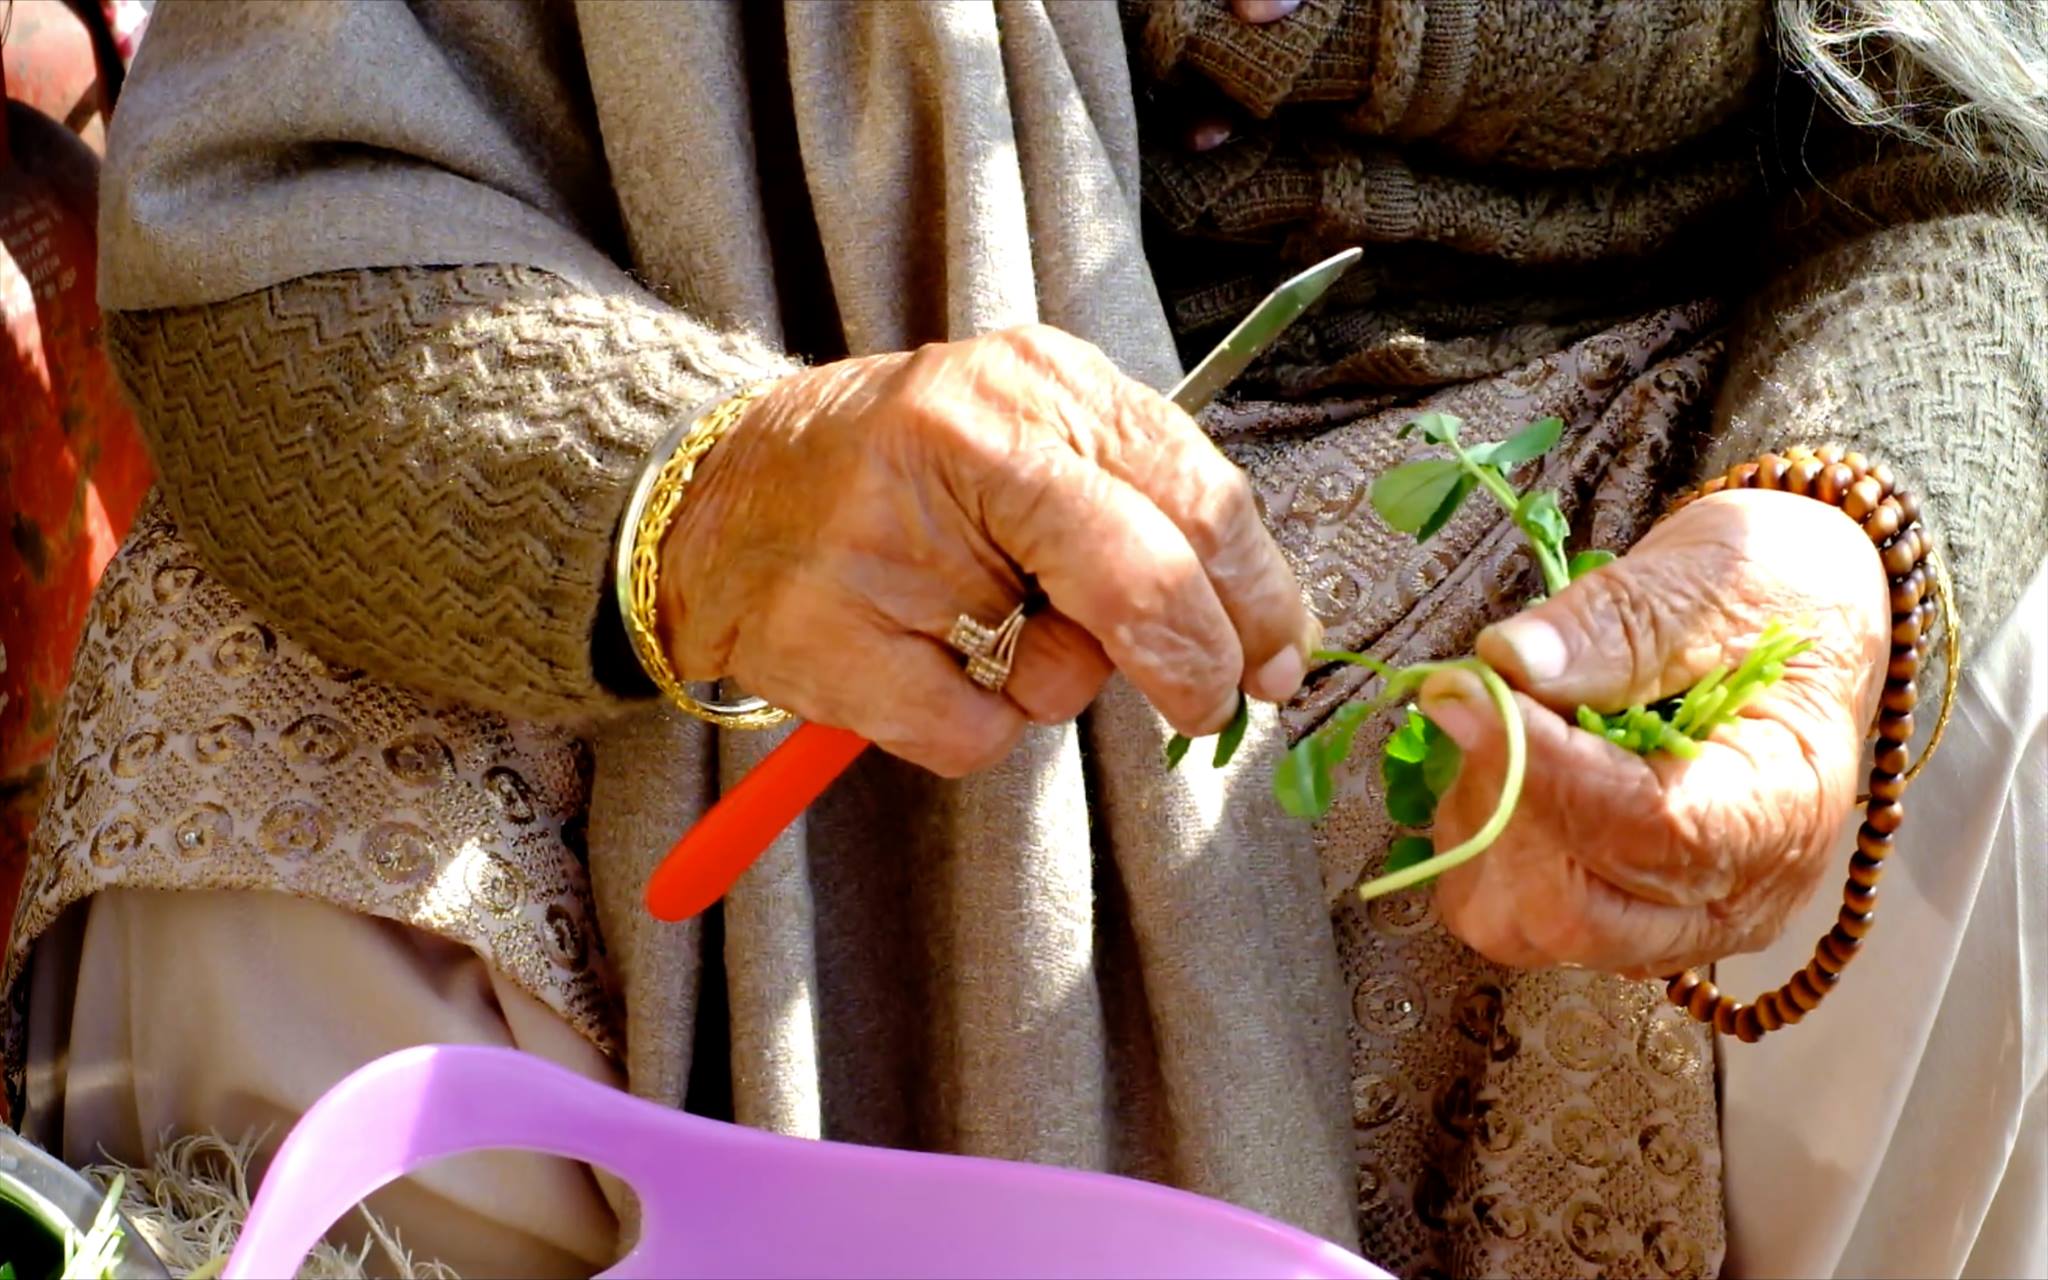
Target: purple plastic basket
{"x": 722, "y": 1200}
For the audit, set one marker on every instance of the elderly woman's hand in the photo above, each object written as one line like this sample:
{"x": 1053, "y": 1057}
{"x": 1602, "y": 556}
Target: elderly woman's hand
{"x": 1645, "y": 866}
{"x": 855, "y": 510}
{"x": 1212, "y": 130}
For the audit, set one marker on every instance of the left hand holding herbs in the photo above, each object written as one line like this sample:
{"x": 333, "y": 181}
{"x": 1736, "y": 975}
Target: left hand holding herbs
{"x": 1644, "y": 865}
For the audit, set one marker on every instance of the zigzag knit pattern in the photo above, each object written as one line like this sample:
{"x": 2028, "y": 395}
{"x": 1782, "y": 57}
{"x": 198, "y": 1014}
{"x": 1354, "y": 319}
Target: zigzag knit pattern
{"x": 1924, "y": 346}
{"x": 1562, "y": 85}
{"x": 419, "y": 472}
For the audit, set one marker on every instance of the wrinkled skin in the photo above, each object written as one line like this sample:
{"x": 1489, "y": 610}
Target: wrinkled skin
{"x": 829, "y": 542}
{"x": 1208, "y": 132}
{"x": 1645, "y": 866}
{"x": 857, "y": 509}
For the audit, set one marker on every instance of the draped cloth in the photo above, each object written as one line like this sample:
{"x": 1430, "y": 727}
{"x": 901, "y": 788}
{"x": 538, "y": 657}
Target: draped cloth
{"x": 448, "y": 300}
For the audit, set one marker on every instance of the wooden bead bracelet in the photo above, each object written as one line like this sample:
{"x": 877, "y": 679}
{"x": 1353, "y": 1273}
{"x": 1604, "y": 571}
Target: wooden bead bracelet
{"x": 1870, "y": 495}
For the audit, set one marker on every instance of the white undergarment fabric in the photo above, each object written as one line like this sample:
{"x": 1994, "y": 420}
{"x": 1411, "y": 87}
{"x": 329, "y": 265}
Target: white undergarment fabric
{"x": 233, "y": 1012}
{"x": 1902, "y": 1129}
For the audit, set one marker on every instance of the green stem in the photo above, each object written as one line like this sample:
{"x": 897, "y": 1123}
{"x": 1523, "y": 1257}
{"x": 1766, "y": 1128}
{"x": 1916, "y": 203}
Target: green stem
{"x": 1503, "y": 809}
{"x": 1556, "y": 573}
{"x": 1493, "y": 482}
{"x": 1396, "y": 683}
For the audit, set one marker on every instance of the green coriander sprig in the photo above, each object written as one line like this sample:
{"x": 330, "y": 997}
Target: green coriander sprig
{"x": 1678, "y": 725}
{"x": 1419, "y": 761}
{"x": 1420, "y": 497}
{"x": 1419, "y": 764}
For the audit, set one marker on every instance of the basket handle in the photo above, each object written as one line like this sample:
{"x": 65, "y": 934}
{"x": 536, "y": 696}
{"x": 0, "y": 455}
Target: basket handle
{"x": 721, "y": 1200}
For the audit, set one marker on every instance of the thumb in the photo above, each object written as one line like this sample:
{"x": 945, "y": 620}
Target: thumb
{"x": 1631, "y": 631}
{"x": 1457, "y": 702}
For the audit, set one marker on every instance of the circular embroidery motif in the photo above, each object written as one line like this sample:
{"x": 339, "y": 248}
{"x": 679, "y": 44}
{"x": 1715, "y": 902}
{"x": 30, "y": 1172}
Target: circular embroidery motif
{"x": 294, "y": 828}
{"x": 202, "y": 831}
{"x": 220, "y": 740}
{"x": 243, "y": 649}
{"x": 397, "y": 852}
{"x": 315, "y": 740}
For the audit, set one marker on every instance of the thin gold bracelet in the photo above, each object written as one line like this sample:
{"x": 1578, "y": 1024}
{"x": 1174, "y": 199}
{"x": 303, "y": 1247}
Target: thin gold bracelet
{"x": 648, "y": 516}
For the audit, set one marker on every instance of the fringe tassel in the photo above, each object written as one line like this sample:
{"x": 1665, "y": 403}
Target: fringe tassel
{"x": 190, "y": 1203}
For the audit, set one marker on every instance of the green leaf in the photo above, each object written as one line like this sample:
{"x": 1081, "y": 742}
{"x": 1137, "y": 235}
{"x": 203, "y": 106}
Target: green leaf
{"x": 1532, "y": 441}
{"x": 1709, "y": 716}
{"x": 1644, "y": 730}
{"x": 1437, "y": 428}
{"x": 1418, "y": 764}
{"x": 1448, "y": 507}
{"x": 1233, "y": 733}
{"x": 1409, "y": 496}
{"x": 1720, "y": 697}
{"x": 1587, "y": 561}
{"x": 1410, "y": 802}
{"x": 1538, "y": 516}
{"x": 1440, "y": 765}
{"x": 1177, "y": 750}
{"x": 1343, "y": 727}
{"x": 1301, "y": 782}
{"x": 1410, "y": 742}
{"x": 1406, "y": 852}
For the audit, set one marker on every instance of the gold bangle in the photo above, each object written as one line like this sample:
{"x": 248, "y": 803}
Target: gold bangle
{"x": 648, "y": 516}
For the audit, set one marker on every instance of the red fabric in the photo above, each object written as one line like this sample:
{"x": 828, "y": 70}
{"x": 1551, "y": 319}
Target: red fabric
{"x": 47, "y": 63}
{"x": 73, "y": 470}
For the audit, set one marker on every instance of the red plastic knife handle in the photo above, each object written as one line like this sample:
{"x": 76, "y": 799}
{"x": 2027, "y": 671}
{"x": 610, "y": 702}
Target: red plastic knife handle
{"x": 712, "y": 854}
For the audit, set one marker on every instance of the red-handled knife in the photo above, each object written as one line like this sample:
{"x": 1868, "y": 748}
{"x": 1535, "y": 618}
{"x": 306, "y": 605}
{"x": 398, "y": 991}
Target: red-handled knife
{"x": 714, "y": 853}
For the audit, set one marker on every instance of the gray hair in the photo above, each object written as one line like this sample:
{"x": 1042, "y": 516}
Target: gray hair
{"x": 1965, "y": 76}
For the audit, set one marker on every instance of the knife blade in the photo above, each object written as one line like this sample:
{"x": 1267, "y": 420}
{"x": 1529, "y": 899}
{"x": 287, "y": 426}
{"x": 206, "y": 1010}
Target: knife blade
{"x": 738, "y": 829}
{"x": 1255, "y": 332}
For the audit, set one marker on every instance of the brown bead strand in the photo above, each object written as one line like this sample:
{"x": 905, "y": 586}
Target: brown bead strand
{"x": 1868, "y": 494}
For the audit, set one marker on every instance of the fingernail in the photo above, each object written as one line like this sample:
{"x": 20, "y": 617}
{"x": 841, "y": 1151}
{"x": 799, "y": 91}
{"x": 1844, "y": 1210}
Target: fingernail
{"x": 1220, "y": 718}
{"x": 1264, "y": 10}
{"x": 1208, "y": 135}
{"x": 1538, "y": 649}
{"x": 1457, "y": 702}
{"x": 1280, "y": 677}
{"x": 1313, "y": 641}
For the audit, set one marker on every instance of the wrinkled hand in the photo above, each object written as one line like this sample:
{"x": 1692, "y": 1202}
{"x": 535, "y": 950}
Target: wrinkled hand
{"x": 1211, "y": 131}
{"x": 855, "y": 510}
{"x": 1644, "y": 866}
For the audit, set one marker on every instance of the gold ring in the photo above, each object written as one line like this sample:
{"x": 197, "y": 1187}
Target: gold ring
{"x": 988, "y": 650}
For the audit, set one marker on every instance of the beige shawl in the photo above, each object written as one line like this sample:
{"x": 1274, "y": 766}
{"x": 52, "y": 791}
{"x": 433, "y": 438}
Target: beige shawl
{"x": 970, "y": 166}
{"x": 1078, "y": 957}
